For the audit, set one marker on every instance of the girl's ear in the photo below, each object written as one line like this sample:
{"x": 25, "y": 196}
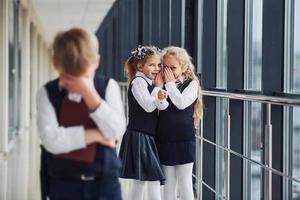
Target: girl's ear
{"x": 140, "y": 67}
{"x": 97, "y": 64}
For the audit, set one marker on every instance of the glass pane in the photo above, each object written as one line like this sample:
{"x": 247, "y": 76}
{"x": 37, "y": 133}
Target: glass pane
{"x": 296, "y": 191}
{"x": 253, "y": 150}
{"x": 296, "y": 152}
{"x": 254, "y": 60}
{"x": 222, "y": 44}
{"x": 14, "y": 70}
{"x": 256, "y": 153}
{"x": 220, "y": 133}
{"x": 296, "y": 85}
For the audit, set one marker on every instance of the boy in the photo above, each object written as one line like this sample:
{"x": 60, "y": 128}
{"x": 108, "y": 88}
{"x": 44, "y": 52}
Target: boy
{"x": 79, "y": 118}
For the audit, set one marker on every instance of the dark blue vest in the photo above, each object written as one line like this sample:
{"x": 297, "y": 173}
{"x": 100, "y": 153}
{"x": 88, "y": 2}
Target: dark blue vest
{"x": 175, "y": 136}
{"x": 106, "y": 160}
{"x": 139, "y": 119}
{"x": 176, "y": 125}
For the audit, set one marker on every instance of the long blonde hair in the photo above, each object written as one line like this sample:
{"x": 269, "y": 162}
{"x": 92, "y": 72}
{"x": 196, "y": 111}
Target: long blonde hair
{"x": 135, "y": 59}
{"x": 185, "y": 62}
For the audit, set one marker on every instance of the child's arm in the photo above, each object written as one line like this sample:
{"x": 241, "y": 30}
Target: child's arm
{"x": 107, "y": 114}
{"x": 147, "y": 101}
{"x": 159, "y": 93}
{"x": 184, "y": 99}
{"x": 83, "y": 86}
{"x": 95, "y": 136}
{"x": 57, "y": 139}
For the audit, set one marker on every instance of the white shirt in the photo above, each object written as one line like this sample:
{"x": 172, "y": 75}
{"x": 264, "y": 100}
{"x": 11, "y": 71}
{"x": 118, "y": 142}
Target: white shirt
{"x": 184, "y": 99}
{"x": 109, "y": 118}
{"x": 149, "y": 102}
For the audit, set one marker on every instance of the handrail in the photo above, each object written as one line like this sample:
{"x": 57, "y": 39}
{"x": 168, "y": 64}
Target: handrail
{"x": 254, "y": 97}
{"x": 249, "y": 97}
{"x": 273, "y": 170}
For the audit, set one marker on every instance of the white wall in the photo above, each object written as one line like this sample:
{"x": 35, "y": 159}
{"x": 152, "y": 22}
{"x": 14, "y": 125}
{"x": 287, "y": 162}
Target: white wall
{"x": 19, "y": 157}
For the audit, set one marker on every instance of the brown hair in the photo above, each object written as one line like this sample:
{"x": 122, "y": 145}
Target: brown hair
{"x": 133, "y": 61}
{"x": 185, "y": 61}
{"x": 74, "y": 50}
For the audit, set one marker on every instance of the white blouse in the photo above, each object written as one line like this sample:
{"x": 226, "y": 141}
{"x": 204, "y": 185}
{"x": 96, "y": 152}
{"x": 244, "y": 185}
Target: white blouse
{"x": 184, "y": 99}
{"x": 149, "y": 102}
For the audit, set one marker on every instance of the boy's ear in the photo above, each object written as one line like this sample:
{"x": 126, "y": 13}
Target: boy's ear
{"x": 54, "y": 63}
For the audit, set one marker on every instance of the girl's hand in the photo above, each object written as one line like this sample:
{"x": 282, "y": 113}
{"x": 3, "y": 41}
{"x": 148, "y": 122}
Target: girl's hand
{"x": 169, "y": 76}
{"x": 159, "y": 81}
{"x": 162, "y": 94}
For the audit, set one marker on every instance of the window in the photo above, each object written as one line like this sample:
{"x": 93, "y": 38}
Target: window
{"x": 296, "y": 110}
{"x": 292, "y": 85}
{"x": 296, "y": 153}
{"x": 253, "y": 44}
{"x": 220, "y": 134}
{"x": 14, "y": 70}
{"x": 222, "y": 44}
{"x": 253, "y": 111}
{"x": 253, "y": 150}
{"x": 296, "y": 59}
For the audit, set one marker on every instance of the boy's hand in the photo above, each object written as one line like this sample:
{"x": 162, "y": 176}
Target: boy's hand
{"x": 169, "y": 76}
{"x": 105, "y": 141}
{"x": 108, "y": 142}
{"x": 95, "y": 136}
{"x": 159, "y": 81}
{"x": 162, "y": 94}
{"x": 78, "y": 85}
{"x": 83, "y": 86}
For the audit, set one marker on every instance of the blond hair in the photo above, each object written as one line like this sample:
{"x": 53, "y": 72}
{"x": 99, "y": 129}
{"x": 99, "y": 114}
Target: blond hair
{"x": 185, "y": 61}
{"x": 133, "y": 61}
{"x": 74, "y": 51}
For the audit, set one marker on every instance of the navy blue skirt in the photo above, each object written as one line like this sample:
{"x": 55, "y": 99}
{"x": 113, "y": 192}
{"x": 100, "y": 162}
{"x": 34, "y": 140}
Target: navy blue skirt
{"x": 176, "y": 153}
{"x": 139, "y": 157}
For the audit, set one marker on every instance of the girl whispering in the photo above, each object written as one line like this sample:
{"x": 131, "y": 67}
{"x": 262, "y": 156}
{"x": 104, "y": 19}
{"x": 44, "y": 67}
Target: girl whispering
{"x": 138, "y": 151}
{"x": 175, "y": 135}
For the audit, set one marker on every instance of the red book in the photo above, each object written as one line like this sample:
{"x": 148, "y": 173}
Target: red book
{"x": 74, "y": 114}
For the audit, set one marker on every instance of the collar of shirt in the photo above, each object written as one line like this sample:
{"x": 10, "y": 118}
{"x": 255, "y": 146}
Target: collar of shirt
{"x": 180, "y": 80}
{"x": 141, "y": 74}
{"x": 71, "y": 96}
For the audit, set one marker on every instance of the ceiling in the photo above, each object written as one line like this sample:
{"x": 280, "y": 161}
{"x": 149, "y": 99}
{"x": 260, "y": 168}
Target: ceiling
{"x": 57, "y": 15}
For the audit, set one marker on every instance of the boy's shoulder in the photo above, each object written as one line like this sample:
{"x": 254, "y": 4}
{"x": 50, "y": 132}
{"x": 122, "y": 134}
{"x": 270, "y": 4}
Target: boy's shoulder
{"x": 52, "y": 86}
{"x": 98, "y": 79}
{"x": 52, "y": 83}
{"x": 100, "y": 83}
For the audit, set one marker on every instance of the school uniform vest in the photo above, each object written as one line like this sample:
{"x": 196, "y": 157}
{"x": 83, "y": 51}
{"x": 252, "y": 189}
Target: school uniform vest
{"x": 139, "y": 119}
{"x": 175, "y": 136}
{"x": 87, "y": 162}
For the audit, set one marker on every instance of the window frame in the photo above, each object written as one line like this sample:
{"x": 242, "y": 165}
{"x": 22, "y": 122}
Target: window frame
{"x": 13, "y": 129}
